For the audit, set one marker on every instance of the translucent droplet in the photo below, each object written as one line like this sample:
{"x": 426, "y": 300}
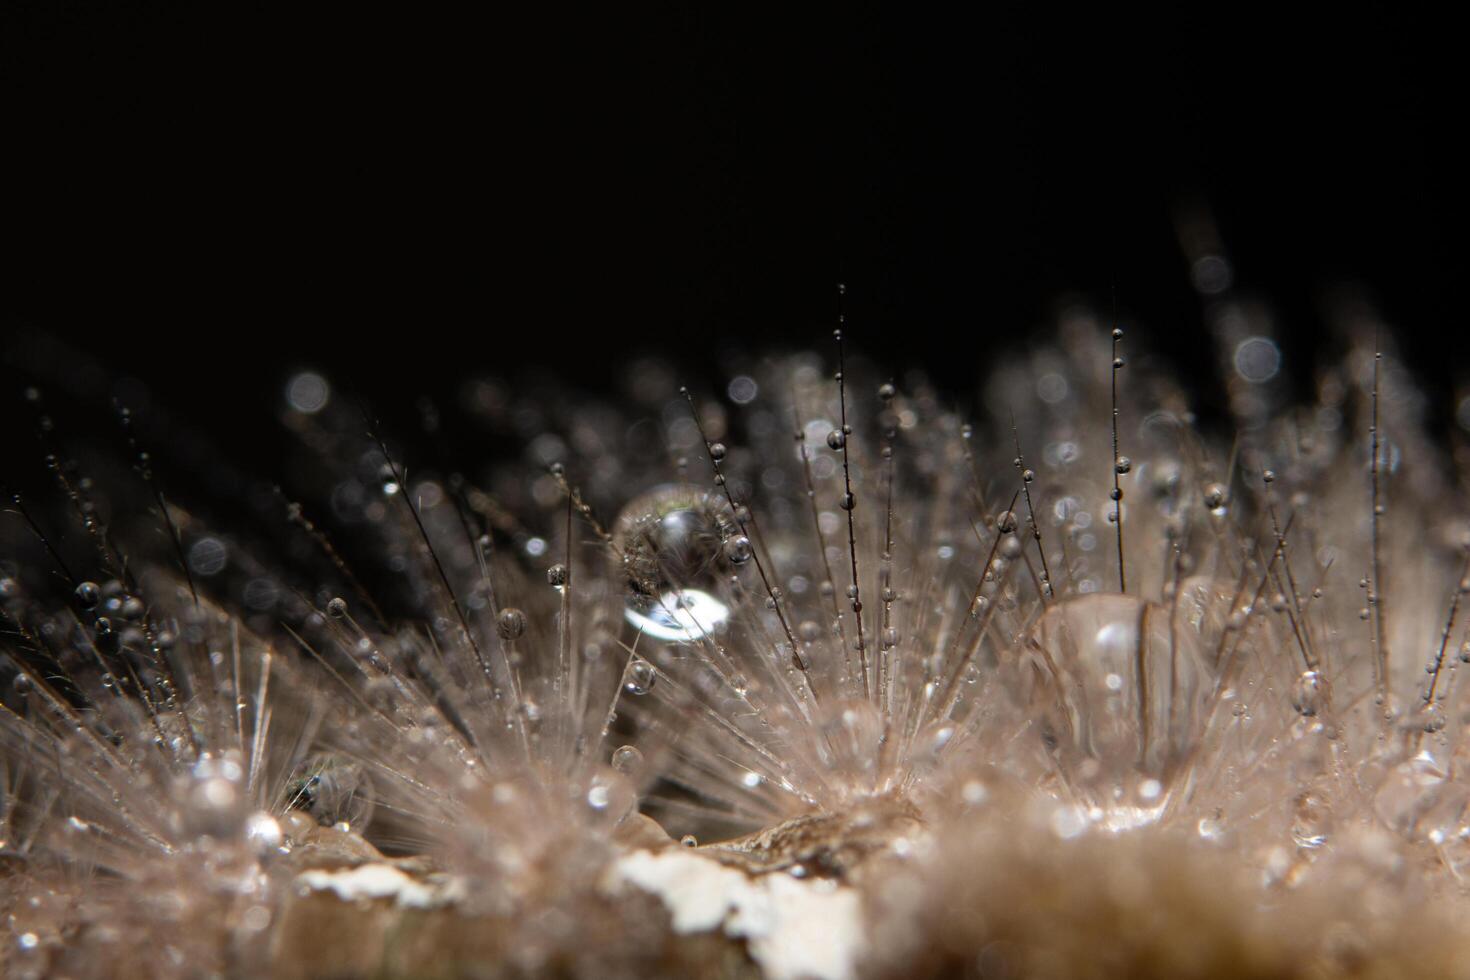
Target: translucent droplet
{"x": 556, "y": 576}
{"x": 738, "y": 549}
{"x": 333, "y": 790}
{"x": 1312, "y": 820}
{"x": 1216, "y": 496}
{"x": 1309, "y": 695}
{"x": 627, "y": 758}
{"x": 640, "y": 677}
{"x": 671, "y": 547}
{"x": 388, "y": 480}
{"x": 1408, "y": 791}
{"x": 511, "y": 623}
{"x": 1117, "y": 691}
{"x": 836, "y": 439}
{"x": 1210, "y": 828}
{"x": 263, "y": 832}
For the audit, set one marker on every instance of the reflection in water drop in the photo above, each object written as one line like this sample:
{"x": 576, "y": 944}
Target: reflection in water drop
{"x": 681, "y": 616}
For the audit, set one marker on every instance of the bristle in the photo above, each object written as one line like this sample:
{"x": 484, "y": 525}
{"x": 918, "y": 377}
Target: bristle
{"x": 658, "y": 699}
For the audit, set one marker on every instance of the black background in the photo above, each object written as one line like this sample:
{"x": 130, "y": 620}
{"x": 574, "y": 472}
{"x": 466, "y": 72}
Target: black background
{"x": 205, "y": 196}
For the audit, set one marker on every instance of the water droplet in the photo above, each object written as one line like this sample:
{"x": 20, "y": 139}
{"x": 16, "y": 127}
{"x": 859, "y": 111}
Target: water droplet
{"x": 388, "y": 480}
{"x": 1210, "y": 828}
{"x": 1408, "y": 791}
{"x": 337, "y": 607}
{"x": 673, "y": 539}
{"x": 640, "y": 677}
{"x": 333, "y": 790}
{"x": 1099, "y": 671}
{"x": 738, "y": 549}
{"x": 627, "y": 758}
{"x": 511, "y": 623}
{"x": 263, "y": 832}
{"x": 1309, "y": 696}
{"x": 556, "y": 576}
{"x": 1312, "y": 821}
{"x": 836, "y": 439}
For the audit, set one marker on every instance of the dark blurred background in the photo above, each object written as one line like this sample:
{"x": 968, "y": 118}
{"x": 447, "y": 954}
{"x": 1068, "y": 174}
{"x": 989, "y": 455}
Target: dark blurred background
{"x": 205, "y": 197}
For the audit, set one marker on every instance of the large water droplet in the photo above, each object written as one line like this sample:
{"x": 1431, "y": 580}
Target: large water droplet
{"x": 334, "y": 791}
{"x": 676, "y": 547}
{"x": 1119, "y": 694}
{"x": 672, "y": 537}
